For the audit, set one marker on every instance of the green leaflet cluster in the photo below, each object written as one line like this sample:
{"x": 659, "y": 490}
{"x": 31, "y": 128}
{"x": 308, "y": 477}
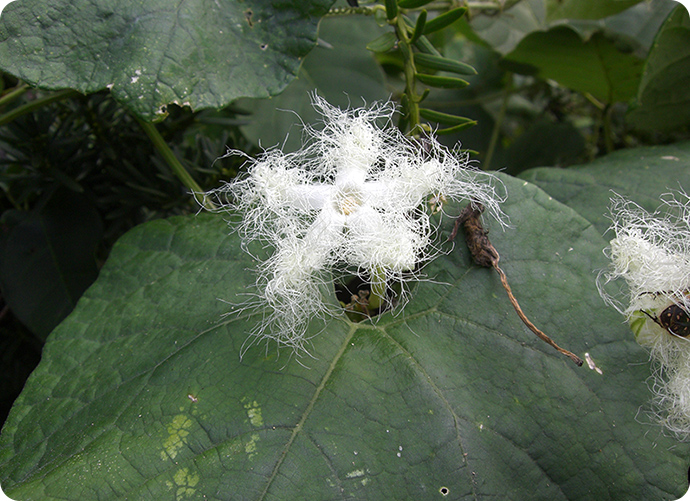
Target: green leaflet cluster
{"x": 423, "y": 63}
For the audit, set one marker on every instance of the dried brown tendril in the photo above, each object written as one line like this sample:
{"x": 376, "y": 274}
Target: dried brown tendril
{"x": 485, "y": 254}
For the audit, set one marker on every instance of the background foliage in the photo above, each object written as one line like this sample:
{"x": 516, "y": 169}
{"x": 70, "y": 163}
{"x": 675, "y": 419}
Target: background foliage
{"x": 140, "y": 392}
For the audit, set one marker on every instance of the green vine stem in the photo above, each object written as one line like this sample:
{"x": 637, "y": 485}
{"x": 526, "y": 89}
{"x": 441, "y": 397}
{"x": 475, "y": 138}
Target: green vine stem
{"x": 608, "y": 128}
{"x": 366, "y": 10}
{"x": 13, "y": 94}
{"x": 172, "y": 161}
{"x": 603, "y": 123}
{"x": 492, "y": 5}
{"x": 486, "y": 5}
{"x": 413, "y": 99}
{"x": 32, "y": 105}
{"x": 498, "y": 124}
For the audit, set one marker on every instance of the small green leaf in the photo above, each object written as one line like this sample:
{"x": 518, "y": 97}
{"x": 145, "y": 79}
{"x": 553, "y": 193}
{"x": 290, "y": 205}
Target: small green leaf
{"x": 456, "y": 128}
{"x": 442, "y": 82}
{"x": 444, "y": 20}
{"x": 424, "y": 45}
{"x": 419, "y": 26}
{"x": 437, "y": 116}
{"x": 391, "y": 9}
{"x": 443, "y": 64}
{"x": 383, "y": 43}
{"x": 413, "y": 4}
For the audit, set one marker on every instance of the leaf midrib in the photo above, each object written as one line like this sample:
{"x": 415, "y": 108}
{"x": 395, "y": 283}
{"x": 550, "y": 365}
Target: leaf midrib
{"x": 307, "y": 412}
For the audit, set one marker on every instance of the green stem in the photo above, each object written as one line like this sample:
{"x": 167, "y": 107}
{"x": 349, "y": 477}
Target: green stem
{"x": 492, "y": 6}
{"x": 608, "y": 129}
{"x": 13, "y": 94}
{"x": 35, "y": 104}
{"x": 497, "y": 124}
{"x": 486, "y": 5}
{"x": 413, "y": 99}
{"x": 377, "y": 296}
{"x": 172, "y": 161}
{"x": 349, "y": 11}
{"x": 603, "y": 125}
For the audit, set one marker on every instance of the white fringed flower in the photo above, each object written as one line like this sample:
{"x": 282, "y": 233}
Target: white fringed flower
{"x": 352, "y": 200}
{"x": 651, "y": 252}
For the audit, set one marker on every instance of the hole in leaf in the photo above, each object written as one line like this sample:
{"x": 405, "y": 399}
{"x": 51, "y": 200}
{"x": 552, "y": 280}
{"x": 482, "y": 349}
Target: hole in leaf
{"x": 353, "y": 294}
{"x": 248, "y": 14}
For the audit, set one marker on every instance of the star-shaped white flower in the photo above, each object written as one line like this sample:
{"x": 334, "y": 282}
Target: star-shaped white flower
{"x": 352, "y": 200}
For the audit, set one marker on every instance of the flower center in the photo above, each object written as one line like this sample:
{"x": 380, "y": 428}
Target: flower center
{"x": 348, "y": 200}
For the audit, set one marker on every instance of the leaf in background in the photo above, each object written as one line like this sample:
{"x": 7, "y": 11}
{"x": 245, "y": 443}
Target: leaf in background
{"x": 586, "y": 9}
{"x": 141, "y": 393}
{"x": 341, "y": 69}
{"x": 596, "y": 65}
{"x": 544, "y": 142}
{"x": 47, "y": 259}
{"x": 663, "y": 99}
{"x": 151, "y": 54}
{"x": 640, "y": 174}
{"x": 504, "y": 32}
{"x": 636, "y": 25}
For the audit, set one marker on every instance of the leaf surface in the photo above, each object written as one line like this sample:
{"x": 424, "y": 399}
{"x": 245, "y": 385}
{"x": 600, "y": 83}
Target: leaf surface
{"x": 636, "y": 25}
{"x": 640, "y": 174}
{"x": 503, "y": 33}
{"x": 151, "y": 54}
{"x": 663, "y": 99}
{"x": 586, "y": 9}
{"x": 141, "y": 392}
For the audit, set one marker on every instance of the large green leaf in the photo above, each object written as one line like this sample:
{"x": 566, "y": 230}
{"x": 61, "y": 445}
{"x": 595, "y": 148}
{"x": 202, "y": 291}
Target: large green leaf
{"x": 595, "y": 66}
{"x": 151, "y": 54}
{"x": 663, "y": 100}
{"x": 504, "y": 32}
{"x": 141, "y": 393}
{"x": 640, "y": 174}
{"x": 586, "y": 9}
{"x": 635, "y": 25}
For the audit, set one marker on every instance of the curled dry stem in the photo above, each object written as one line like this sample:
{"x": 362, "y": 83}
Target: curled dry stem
{"x": 486, "y": 255}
